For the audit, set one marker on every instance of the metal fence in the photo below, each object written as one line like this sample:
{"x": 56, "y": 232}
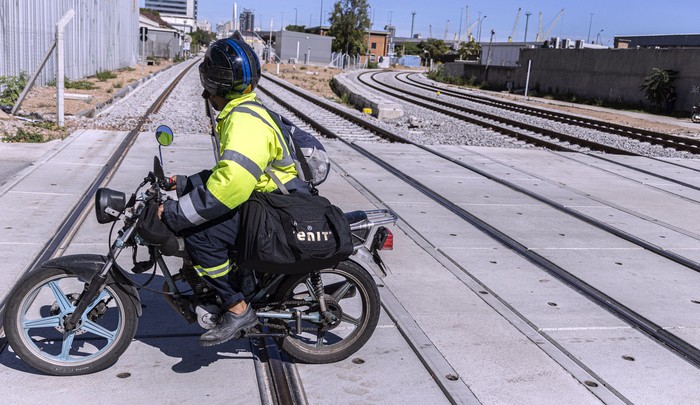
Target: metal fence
{"x": 103, "y": 35}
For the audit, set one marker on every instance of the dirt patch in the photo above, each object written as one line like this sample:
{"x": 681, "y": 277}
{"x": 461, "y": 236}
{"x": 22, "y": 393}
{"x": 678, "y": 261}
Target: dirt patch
{"x": 315, "y": 79}
{"x": 40, "y": 104}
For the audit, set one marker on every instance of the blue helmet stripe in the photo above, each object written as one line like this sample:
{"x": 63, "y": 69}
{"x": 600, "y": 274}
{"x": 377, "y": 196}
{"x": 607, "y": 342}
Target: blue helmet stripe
{"x": 246, "y": 62}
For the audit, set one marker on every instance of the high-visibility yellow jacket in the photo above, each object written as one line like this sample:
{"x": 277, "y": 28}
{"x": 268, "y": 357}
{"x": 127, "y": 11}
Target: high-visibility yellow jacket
{"x": 250, "y": 142}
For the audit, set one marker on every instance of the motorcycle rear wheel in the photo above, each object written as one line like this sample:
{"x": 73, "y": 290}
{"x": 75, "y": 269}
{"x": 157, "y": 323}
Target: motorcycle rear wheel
{"x": 695, "y": 117}
{"x": 34, "y": 317}
{"x": 353, "y": 296}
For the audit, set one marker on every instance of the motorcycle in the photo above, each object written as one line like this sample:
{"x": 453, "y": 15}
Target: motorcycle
{"x": 78, "y": 314}
{"x": 695, "y": 116}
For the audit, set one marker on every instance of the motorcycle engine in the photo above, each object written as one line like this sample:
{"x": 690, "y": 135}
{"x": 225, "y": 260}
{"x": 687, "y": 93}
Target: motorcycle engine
{"x": 208, "y": 315}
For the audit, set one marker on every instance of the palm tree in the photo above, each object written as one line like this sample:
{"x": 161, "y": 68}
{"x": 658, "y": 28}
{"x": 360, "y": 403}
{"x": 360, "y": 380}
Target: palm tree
{"x": 658, "y": 86}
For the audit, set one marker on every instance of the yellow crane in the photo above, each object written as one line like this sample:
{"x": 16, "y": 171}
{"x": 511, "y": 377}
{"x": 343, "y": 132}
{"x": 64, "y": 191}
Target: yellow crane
{"x": 515, "y": 26}
{"x": 541, "y": 36}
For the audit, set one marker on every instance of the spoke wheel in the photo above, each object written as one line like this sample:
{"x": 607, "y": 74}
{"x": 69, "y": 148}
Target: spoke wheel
{"x": 35, "y": 315}
{"x": 353, "y": 300}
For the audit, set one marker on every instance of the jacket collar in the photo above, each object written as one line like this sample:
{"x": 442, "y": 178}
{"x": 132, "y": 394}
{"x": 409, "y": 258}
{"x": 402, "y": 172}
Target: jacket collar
{"x": 235, "y": 103}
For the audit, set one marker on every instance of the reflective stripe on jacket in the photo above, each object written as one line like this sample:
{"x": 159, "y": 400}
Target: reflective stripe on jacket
{"x": 250, "y": 141}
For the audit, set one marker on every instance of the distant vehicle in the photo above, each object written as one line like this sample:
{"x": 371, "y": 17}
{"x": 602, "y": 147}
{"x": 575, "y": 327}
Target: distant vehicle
{"x": 696, "y": 113}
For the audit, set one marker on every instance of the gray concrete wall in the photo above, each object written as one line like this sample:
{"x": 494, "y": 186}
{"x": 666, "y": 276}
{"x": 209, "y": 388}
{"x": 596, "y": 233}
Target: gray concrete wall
{"x": 612, "y": 75}
{"x": 498, "y": 77}
{"x": 288, "y": 42}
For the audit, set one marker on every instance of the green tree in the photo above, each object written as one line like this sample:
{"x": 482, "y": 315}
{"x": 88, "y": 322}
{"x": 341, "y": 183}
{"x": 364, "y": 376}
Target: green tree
{"x": 433, "y": 49}
{"x": 349, "y": 24}
{"x": 410, "y": 48}
{"x": 296, "y": 28}
{"x": 469, "y": 50}
{"x": 658, "y": 86}
{"x": 202, "y": 37}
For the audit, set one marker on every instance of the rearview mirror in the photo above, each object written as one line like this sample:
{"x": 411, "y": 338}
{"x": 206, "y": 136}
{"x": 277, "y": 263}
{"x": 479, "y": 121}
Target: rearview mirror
{"x": 164, "y": 135}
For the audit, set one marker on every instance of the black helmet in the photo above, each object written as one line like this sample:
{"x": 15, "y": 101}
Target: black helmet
{"x": 230, "y": 68}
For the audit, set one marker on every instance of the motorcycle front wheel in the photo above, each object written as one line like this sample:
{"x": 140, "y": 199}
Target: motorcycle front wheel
{"x": 352, "y": 297}
{"x": 34, "y": 319}
{"x": 695, "y": 117}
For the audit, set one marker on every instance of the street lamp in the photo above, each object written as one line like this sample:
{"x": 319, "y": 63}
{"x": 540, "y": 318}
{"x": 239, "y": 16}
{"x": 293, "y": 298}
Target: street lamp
{"x": 598, "y": 37}
{"x": 527, "y": 20}
{"x": 590, "y": 22}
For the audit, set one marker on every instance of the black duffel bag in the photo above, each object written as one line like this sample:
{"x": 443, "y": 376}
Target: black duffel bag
{"x": 291, "y": 234}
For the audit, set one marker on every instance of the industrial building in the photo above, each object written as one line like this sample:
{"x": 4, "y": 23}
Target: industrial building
{"x": 180, "y": 14}
{"x": 657, "y": 41}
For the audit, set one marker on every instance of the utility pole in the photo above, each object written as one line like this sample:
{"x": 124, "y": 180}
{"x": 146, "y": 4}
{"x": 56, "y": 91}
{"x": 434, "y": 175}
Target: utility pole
{"x": 295, "y": 16}
{"x": 320, "y": 18}
{"x": 447, "y": 27}
{"x": 413, "y": 18}
{"x": 527, "y": 19}
{"x": 589, "y": 29}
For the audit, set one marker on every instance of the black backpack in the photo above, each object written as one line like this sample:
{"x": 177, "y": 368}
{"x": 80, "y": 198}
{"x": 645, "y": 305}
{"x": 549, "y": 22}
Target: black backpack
{"x": 291, "y": 234}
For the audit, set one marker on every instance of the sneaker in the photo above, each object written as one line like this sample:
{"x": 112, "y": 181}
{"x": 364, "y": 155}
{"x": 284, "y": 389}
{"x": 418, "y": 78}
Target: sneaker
{"x": 230, "y": 326}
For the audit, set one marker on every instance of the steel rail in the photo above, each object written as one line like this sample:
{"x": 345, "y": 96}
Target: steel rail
{"x": 622, "y": 132}
{"x": 68, "y": 228}
{"x": 679, "y": 346}
{"x": 435, "y": 106}
{"x": 280, "y": 372}
{"x": 657, "y": 138}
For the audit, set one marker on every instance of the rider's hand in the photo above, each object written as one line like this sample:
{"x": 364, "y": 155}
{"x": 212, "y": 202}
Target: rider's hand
{"x": 169, "y": 183}
{"x": 160, "y": 211}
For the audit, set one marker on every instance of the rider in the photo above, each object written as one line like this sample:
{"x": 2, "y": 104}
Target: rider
{"x": 206, "y": 214}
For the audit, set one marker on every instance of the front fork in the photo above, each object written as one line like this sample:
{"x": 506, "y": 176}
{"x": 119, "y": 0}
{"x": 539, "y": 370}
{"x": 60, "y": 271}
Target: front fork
{"x": 97, "y": 282}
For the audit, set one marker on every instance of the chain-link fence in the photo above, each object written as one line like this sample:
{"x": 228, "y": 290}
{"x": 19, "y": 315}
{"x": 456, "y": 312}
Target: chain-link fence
{"x": 103, "y": 35}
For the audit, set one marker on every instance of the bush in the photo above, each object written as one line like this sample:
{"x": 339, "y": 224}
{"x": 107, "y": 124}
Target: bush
{"x": 25, "y": 136}
{"x": 79, "y": 85}
{"x": 105, "y": 75}
{"x": 11, "y": 87}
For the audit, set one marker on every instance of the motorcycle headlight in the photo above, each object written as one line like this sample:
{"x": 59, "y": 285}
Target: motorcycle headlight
{"x": 108, "y": 205}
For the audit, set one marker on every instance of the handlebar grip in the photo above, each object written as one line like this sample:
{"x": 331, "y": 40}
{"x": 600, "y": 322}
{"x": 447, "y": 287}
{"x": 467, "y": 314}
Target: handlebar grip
{"x": 169, "y": 183}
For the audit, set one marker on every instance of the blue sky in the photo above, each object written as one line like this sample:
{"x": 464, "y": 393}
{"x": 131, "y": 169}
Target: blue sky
{"x": 613, "y": 17}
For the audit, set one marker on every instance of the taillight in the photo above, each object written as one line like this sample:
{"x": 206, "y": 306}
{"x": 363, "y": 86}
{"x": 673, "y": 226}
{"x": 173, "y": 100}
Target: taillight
{"x": 383, "y": 239}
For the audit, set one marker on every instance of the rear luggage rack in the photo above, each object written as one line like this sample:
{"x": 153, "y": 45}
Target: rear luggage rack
{"x": 374, "y": 217}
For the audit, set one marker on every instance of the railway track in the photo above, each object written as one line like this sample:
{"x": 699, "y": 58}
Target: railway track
{"x": 640, "y": 134}
{"x": 637, "y": 320}
{"x": 537, "y": 134}
{"x": 277, "y": 378}
{"x": 362, "y": 140}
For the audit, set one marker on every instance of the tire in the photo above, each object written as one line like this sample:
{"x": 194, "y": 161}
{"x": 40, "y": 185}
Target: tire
{"x": 33, "y": 319}
{"x": 695, "y": 117}
{"x": 356, "y": 295}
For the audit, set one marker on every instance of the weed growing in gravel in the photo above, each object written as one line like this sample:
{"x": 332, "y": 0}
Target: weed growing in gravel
{"x": 105, "y": 75}
{"x": 79, "y": 85}
{"x": 50, "y": 125}
{"x": 24, "y": 136}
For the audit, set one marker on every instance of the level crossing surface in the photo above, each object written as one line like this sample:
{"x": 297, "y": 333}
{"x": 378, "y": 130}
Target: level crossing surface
{"x": 507, "y": 331}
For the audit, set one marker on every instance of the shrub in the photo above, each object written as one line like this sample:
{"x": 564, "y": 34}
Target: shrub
{"x": 79, "y": 85}
{"x": 11, "y": 87}
{"x": 24, "y": 136}
{"x": 105, "y": 75}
